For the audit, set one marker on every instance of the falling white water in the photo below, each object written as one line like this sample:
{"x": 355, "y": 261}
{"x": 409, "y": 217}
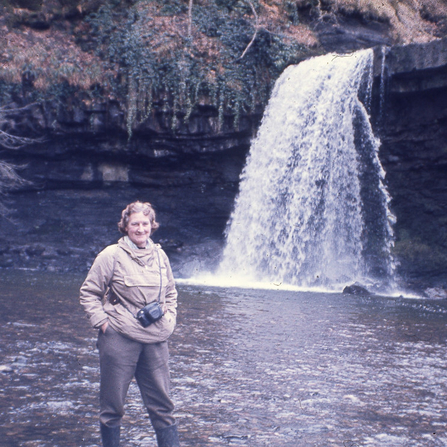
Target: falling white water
{"x": 299, "y": 217}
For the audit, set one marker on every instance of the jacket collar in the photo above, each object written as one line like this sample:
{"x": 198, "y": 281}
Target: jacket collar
{"x": 133, "y": 246}
{"x": 140, "y": 256}
{"x": 128, "y": 246}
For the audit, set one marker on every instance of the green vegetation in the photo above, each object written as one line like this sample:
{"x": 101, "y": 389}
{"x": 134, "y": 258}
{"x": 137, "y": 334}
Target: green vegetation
{"x": 165, "y": 59}
{"x": 173, "y": 56}
{"x": 154, "y": 54}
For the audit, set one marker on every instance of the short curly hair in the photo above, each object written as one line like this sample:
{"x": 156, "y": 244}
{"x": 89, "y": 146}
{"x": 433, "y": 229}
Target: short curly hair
{"x": 137, "y": 207}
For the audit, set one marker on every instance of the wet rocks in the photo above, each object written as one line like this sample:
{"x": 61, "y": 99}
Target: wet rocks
{"x": 345, "y": 34}
{"x": 436, "y": 293}
{"x": 316, "y": 369}
{"x": 356, "y": 289}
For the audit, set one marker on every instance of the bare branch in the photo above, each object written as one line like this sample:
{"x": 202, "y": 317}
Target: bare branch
{"x": 190, "y": 19}
{"x": 9, "y": 179}
{"x": 9, "y": 141}
{"x": 256, "y": 29}
{"x": 13, "y": 110}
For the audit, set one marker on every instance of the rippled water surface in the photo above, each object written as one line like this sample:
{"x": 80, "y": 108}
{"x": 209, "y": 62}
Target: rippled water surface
{"x": 249, "y": 367}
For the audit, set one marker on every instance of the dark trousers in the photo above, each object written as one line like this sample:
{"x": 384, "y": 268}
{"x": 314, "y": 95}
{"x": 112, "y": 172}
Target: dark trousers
{"x": 121, "y": 359}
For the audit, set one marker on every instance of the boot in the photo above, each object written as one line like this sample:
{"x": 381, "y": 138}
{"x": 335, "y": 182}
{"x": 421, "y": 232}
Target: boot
{"x": 110, "y": 436}
{"x": 168, "y": 436}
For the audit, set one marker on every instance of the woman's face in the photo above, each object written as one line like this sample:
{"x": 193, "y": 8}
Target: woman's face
{"x": 139, "y": 229}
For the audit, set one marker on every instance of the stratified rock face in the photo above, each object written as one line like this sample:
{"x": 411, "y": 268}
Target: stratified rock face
{"x": 87, "y": 170}
{"x": 418, "y": 61}
{"x": 347, "y": 34}
{"x": 413, "y": 131}
{"x": 76, "y": 201}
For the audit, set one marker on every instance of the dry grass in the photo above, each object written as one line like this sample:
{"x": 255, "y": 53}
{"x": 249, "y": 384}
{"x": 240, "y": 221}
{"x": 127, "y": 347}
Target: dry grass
{"x": 52, "y": 56}
{"x": 412, "y": 21}
{"x": 48, "y": 57}
{"x": 170, "y": 29}
{"x": 273, "y": 18}
{"x": 173, "y": 31}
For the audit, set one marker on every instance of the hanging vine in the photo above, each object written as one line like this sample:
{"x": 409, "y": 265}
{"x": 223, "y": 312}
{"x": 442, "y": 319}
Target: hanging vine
{"x": 159, "y": 57}
{"x": 172, "y": 56}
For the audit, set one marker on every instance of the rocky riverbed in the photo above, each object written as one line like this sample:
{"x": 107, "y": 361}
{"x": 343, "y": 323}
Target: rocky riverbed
{"x": 249, "y": 367}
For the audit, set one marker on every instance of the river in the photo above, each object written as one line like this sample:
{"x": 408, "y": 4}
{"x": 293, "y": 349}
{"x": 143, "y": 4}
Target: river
{"x": 249, "y": 368}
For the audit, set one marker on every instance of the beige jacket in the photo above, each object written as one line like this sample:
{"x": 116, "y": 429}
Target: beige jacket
{"x": 134, "y": 282}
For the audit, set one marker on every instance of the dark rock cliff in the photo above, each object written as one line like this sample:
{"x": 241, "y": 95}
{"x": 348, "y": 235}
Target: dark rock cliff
{"x": 87, "y": 170}
{"x": 412, "y": 125}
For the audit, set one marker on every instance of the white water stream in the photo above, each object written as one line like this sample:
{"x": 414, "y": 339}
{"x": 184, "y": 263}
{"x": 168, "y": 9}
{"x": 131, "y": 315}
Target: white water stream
{"x": 300, "y": 217}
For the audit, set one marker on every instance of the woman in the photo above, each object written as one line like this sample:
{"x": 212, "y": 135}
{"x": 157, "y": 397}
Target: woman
{"x": 125, "y": 278}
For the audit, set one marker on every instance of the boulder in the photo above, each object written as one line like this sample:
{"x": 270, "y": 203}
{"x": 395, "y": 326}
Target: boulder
{"x": 356, "y": 289}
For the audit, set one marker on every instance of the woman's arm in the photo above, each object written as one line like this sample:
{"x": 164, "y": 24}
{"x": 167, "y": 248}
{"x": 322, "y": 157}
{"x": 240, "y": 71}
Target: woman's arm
{"x": 171, "y": 291}
{"x": 95, "y": 286}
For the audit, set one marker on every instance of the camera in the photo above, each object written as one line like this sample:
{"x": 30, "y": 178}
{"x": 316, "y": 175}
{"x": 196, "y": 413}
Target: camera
{"x": 149, "y": 314}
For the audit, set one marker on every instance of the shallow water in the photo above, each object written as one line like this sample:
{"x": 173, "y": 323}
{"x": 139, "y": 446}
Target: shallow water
{"x": 249, "y": 367}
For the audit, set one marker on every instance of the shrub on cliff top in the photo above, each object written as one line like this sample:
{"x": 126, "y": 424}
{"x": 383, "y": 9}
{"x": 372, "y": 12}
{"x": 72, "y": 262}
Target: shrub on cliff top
{"x": 174, "y": 55}
{"x": 222, "y": 53}
{"x": 410, "y": 20}
{"x": 155, "y": 53}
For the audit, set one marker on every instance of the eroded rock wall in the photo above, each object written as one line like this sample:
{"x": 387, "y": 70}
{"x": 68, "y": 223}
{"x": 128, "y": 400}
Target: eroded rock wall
{"x": 87, "y": 170}
{"x": 412, "y": 124}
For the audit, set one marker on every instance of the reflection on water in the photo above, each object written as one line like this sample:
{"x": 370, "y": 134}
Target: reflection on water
{"x": 249, "y": 367}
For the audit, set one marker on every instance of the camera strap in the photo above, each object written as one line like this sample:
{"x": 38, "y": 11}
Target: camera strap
{"x": 161, "y": 277}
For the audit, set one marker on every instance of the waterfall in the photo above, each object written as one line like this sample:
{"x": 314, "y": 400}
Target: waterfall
{"x": 312, "y": 209}
{"x": 384, "y": 52}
